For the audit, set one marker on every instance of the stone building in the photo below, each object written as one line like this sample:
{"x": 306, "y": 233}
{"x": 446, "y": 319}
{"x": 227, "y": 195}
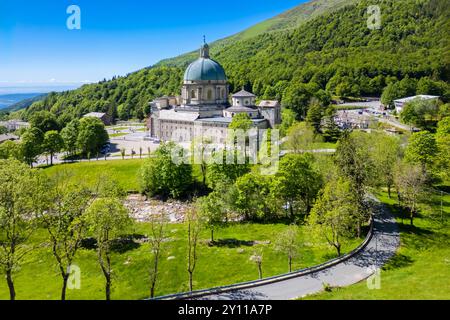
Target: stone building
{"x": 105, "y": 118}
{"x": 8, "y": 137}
{"x": 204, "y": 105}
{"x": 13, "y": 125}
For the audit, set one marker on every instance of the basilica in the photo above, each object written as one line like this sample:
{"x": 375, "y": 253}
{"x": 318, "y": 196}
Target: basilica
{"x": 204, "y": 105}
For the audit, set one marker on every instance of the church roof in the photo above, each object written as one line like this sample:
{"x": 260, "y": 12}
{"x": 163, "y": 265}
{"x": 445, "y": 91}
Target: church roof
{"x": 244, "y": 94}
{"x": 240, "y": 109}
{"x": 6, "y": 137}
{"x": 269, "y": 103}
{"x": 95, "y": 115}
{"x": 205, "y": 68}
{"x": 178, "y": 116}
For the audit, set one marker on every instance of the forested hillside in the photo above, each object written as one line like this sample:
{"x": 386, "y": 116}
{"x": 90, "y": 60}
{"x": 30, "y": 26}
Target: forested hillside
{"x": 288, "y": 20}
{"x": 333, "y": 54}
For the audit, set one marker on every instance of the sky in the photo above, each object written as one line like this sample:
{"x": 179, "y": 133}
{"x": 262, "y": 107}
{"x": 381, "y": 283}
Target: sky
{"x": 116, "y": 37}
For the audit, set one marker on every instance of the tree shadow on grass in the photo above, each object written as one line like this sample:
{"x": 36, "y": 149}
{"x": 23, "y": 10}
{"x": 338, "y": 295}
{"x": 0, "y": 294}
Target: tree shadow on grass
{"x": 398, "y": 261}
{"x": 89, "y": 244}
{"x": 122, "y": 245}
{"x": 414, "y": 230}
{"x": 329, "y": 256}
{"x": 119, "y": 245}
{"x": 403, "y": 213}
{"x": 231, "y": 243}
{"x": 443, "y": 188}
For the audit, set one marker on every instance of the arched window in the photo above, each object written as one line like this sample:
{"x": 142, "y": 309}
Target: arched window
{"x": 209, "y": 94}
{"x": 192, "y": 94}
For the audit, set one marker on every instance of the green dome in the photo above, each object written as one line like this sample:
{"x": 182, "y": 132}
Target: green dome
{"x": 205, "y": 69}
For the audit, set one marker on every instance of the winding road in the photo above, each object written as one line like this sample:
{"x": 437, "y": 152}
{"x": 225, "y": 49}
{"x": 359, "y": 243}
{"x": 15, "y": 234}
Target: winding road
{"x": 380, "y": 247}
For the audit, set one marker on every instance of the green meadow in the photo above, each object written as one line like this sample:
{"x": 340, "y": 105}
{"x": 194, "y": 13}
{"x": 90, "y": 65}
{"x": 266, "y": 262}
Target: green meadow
{"x": 225, "y": 263}
{"x": 421, "y": 268}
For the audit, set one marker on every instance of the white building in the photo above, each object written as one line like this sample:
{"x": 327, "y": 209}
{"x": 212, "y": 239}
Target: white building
{"x": 400, "y": 103}
{"x": 13, "y": 125}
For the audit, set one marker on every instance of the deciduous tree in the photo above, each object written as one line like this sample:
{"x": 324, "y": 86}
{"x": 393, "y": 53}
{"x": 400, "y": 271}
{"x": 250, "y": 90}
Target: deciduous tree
{"x": 194, "y": 226}
{"x": 53, "y": 143}
{"x": 314, "y": 115}
{"x": 31, "y": 145}
{"x": 20, "y": 199}
{"x": 422, "y": 149}
{"x": 92, "y": 135}
{"x": 333, "y": 215}
{"x": 44, "y": 121}
{"x": 70, "y": 136}
{"x": 288, "y": 243}
{"x": 107, "y": 219}
{"x": 410, "y": 181}
{"x": 163, "y": 176}
{"x": 385, "y": 154}
{"x": 65, "y": 222}
{"x": 158, "y": 225}
{"x": 443, "y": 143}
{"x": 301, "y": 138}
{"x": 257, "y": 258}
{"x": 298, "y": 183}
{"x": 353, "y": 160}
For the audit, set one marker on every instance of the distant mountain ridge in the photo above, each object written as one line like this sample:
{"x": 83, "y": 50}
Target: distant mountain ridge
{"x": 24, "y": 103}
{"x": 8, "y": 100}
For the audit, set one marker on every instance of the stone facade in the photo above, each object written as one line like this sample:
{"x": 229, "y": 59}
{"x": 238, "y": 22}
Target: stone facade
{"x": 105, "y": 118}
{"x": 204, "y": 108}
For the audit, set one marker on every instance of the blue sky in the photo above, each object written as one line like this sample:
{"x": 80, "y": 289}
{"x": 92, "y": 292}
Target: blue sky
{"x": 116, "y": 37}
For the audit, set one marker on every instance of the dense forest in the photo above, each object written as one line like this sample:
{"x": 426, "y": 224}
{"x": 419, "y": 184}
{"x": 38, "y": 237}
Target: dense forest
{"x": 334, "y": 54}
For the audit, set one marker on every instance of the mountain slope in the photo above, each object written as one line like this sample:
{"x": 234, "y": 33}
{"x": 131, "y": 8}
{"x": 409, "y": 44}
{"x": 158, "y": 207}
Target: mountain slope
{"x": 333, "y": 54}
{"x": 287, "y": 20}
{"x": 8, "y": 100}
{"x": 25, "y": 101}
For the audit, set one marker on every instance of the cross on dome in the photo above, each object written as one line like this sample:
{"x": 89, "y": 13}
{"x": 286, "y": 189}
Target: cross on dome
{"x": 204, "y": 51}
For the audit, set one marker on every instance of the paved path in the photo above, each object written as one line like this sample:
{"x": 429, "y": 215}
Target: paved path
{"x": 397, "y": 124}
{"x": 380, "y": 248}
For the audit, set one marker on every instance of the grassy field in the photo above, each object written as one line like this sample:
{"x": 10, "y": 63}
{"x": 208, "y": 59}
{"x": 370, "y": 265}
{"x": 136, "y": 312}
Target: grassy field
{"x": 117, "y": 135}
{"x": 123, "y": 171}
{"x": 223, "y": 264}
{"x": 421, "y": 268}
